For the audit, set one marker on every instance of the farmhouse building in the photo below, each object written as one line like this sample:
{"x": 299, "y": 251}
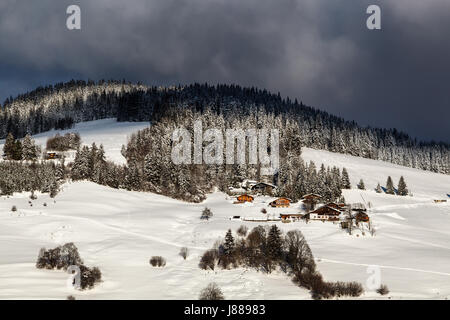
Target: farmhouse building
{"x": 263, "y": 188}
{"x": 280, "y": 203}
{"x": 244, "y": 198}
{"x": 325, "y": 213}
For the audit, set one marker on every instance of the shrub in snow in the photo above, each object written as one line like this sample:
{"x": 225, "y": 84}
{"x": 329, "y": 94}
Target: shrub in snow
{"x": 242, "y": 231}
{"x": 70, "y": 298}
{"x": 89, "y": 277}
{"x": 383, "y": 290}
{"x": 361, "y": 185}
{"x": 62, "y": 257}
{"x": 265, "y": 249}
{"x": 208, "y": 260}
{"x": 211, "y": 292}
{"x": 157, "y": 261}
{"x": 184, "y": 252}
{"x": 206, "y": 214}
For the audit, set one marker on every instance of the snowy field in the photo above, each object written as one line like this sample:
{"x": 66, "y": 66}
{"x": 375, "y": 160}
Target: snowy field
{"x": 119, "y": 231}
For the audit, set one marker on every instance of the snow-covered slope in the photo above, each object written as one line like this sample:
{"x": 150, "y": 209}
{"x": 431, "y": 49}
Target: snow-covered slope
{"x": 420, "y": 183}
{"x": 119, "y": 231}
{"x": 109, "y": 132}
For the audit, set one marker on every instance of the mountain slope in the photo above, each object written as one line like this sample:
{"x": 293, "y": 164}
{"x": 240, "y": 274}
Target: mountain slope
{"x": 119, "y": 230}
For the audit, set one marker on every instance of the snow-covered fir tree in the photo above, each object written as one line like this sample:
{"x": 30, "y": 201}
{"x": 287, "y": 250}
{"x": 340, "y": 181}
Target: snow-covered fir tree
{"x": 390, "y": 186}
{"x": 402, "y": 189}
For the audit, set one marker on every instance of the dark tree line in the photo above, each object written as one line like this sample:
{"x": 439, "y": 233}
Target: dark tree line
{"x": 37, "y": 176}
{"x": 266, "y": 249}
{"x": 62, "y": 105}
{"x": 150, "y": 167}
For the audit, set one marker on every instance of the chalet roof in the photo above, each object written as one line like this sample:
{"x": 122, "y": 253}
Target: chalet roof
{"x": 281, "y": 198}
{"x": 331, "y": 208}
{"x": 263, "y": 183}
{"x": 245, "y": 195}
{"x": 312, "y": 195}
{"x": 358, "y": 206}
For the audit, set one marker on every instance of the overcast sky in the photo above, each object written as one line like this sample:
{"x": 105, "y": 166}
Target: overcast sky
{"x": 315, "y": 50}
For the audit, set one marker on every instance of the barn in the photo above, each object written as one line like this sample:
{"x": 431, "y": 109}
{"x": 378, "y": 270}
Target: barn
{"x": 280, "y": 203}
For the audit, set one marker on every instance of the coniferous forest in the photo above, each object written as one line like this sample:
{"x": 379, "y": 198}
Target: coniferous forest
{"x": 149, "y": 166}
{"x": 60, "y": 106}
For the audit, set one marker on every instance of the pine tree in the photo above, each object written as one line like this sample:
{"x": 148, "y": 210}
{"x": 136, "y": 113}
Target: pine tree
{"x": 206, "y": 214}
{"x": 17, "y": 154}
{"x": 228, "y": 246}
{"x": 390, "y": 186}
{"x": 402, "y": 189}
{"x": 378, "y": 188}
{"x": 9, "y": 147}
{"x": 29, "y": 150}
{"x": 345, "y": 179}
{"x": 274, "y": 243}
{"x": 361, "y": 185}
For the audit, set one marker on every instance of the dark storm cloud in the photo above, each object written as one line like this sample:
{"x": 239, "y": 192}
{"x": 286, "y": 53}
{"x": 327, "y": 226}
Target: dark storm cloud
{"x": 315, "y": 50}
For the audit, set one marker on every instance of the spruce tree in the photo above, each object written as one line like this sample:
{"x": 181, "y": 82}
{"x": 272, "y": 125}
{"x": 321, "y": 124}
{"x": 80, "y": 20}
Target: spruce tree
{"x": 9, "y": 147}
{"x": 345, "y": 179}
{"x": 361, "y": 185}
{"x": 274, "y": 243}
{"x": 378, "y": 188}
{"x": 390, "y": 186}
{"x": 402, "y": 189}
{"x": 29, "y": 150}
{"x": 228, "y": 246}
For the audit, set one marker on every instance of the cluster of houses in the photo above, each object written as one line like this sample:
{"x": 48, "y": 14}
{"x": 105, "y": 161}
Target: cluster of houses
{"x": 327, "y": 212}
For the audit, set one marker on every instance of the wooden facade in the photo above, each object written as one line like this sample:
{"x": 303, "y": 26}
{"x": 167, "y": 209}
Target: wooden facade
{"x": 244, "y": 198}
{"x": 325, "y": 213}
{"x": 280, "y": 203}
{"x": 291, "y": 216}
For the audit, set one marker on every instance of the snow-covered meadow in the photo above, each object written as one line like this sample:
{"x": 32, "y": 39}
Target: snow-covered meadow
{"x": 119, "y": 230}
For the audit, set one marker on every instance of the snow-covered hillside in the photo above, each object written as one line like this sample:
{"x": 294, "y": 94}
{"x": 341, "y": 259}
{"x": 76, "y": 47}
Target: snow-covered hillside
{"x": 119, "y": 230}
{"x": 109, "y": 132}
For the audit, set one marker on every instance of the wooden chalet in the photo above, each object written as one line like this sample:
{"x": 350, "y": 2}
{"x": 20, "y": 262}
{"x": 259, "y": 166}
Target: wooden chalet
{"x": 244, "y": 198}
{"x": 325, "y": 213}
{"x": 263, "y": 187}
{"x": 280, "y": 203}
